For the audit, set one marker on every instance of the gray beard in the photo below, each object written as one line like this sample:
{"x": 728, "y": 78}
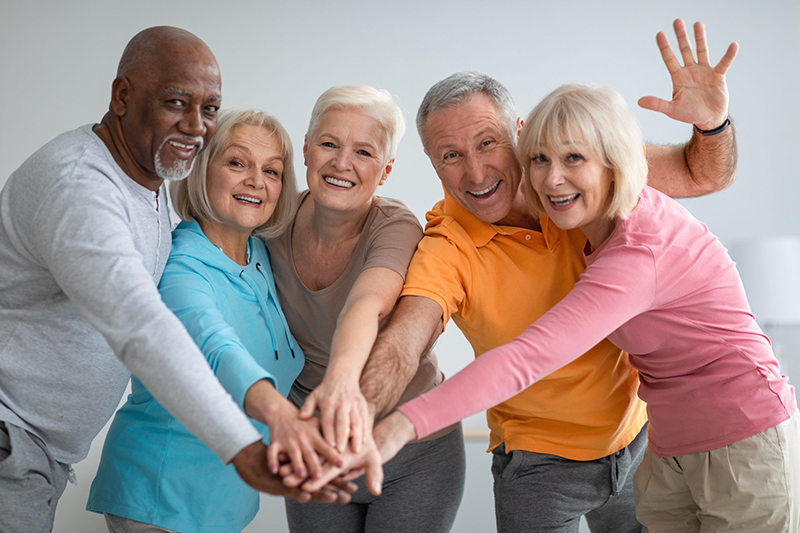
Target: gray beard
{"x": 180, "y": 169}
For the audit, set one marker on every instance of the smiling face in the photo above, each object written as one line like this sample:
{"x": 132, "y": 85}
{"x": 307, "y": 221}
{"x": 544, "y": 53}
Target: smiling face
{"x": 244, "y": 182}
{"x": 168, "y": 110}
{"x": 574, "y": 186}
{"x": 345, "y": 159}
{"x": 473, "y": 153}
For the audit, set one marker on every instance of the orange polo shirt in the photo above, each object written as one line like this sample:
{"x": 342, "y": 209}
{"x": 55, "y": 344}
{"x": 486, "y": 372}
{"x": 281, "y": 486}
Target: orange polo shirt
{"x": 495, "y": 281}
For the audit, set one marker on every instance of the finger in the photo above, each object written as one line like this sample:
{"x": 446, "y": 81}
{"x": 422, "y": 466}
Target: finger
{"x": 309, "y": 406}
{"x": 374, "y": 474}
{"x": 356, "y": 432}
{"x": 299, "y": 495}
{"x": 311, "y": 460}
{"x": 727, "y": 60}
{"x": 342, "y": 428}
{"x": 344, "y": 485}
{"x": 273, "y": 461}
{"x": 329, "y": 473}
{"x": 296, "y": 459}
{"x": 325, "y": 496}
{"x": 353, "y": 474}
{"x": 702, "y": 44}
{"x": 344, "y": 497}
{"x": 683, "y": 42}
{"x": 653, "y": 103}
{"x": 673, "y": 66}
{"x": 327, "y": 451}
{"x": 327, "y": 423}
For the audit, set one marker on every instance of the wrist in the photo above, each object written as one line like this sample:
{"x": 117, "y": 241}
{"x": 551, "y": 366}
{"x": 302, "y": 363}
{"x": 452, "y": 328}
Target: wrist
{"x": 708, "y": 130}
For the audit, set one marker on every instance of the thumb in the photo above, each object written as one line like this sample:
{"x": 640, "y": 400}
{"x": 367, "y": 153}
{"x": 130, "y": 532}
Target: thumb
{"x": 374, "y": 474}
{"x": 309, "y": 406}
{"x": 654, "y": 103}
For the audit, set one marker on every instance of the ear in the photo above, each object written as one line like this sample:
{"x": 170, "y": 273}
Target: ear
{"x": 305, "y": 149}
{"x": 120, "y": 95}
{"x": 520, "y": 123}
{"x": 386, "y": 172}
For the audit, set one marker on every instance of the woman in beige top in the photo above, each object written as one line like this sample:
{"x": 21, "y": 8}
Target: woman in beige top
{"x": 339, "y": 270}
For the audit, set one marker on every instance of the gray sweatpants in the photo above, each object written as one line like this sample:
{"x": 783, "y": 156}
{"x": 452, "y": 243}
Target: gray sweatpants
{"x": 422, "y": 489}
{"x": 540, "y": 493}
{"x": 31, "y": 482}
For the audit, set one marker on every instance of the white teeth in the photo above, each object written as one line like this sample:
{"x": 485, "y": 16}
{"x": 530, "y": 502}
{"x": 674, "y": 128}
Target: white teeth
{"x": 337, "y": 182}
{"x": 248, "y": 199}
{"x": 181, "y": 145}
{"x": 485, "y": 191}
{"x": 563, "y": 200}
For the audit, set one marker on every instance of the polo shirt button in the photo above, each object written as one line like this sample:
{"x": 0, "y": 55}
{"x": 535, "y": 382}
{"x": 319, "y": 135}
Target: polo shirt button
{"x": 528, "y": 237}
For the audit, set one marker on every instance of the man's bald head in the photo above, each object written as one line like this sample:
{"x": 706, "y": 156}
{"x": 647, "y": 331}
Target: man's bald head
{"x": 154, "y": 45}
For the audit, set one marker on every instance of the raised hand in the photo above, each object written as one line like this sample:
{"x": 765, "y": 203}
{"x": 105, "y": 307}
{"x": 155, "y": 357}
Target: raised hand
{"x": 343, "y": 412}
{"x": 699, "y": 91}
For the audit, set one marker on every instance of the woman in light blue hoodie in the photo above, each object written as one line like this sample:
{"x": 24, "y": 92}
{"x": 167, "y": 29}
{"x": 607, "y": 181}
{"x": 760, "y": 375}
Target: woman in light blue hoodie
{"x": 218, "y": 281}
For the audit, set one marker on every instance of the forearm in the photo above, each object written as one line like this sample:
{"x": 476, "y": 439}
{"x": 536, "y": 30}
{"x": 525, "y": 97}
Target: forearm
{"x": 354, "y": 337}
{"x": 394, "y": 360}
{"x": 264, "y": 403}
{"x": 703, "y": 165}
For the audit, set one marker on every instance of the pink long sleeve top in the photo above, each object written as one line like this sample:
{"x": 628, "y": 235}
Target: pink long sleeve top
{"x": 663, "y": 288}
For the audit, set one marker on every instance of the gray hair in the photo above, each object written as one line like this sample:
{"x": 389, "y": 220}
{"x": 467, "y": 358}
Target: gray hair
{"x": 190, "y": 196}
{"x": 369, "y": 101}
{"x": 454, "y": 89}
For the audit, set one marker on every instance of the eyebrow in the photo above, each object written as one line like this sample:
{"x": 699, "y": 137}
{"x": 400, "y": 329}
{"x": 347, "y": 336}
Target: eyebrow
{"x": 249, "y": 152}
{"x": 186, "y": 92}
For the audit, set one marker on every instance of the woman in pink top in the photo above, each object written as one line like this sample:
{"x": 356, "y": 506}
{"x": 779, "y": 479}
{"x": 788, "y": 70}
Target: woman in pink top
{"x": 723, "y": 430}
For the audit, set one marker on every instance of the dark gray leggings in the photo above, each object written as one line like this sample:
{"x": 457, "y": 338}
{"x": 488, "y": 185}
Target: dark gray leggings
{"x": 421, "y": 492}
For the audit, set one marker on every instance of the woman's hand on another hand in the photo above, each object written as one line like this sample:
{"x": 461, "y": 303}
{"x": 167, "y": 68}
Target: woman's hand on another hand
{"x": 344, "y": 414}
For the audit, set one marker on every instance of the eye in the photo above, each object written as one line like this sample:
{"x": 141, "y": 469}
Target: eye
{"x": 364, "y": 153}
{"x": 486, "y": 143}
{"x": 327, "y": 144}
{"x": 539, "y": 158}
{"x": 272, "y": 172}
{"x": 450, "y": 155}
{"x": 236, "y": 163}
{"x": 211, "y": 110}
{"x": 176, "y": 102}
{"x": 574, "y": 158}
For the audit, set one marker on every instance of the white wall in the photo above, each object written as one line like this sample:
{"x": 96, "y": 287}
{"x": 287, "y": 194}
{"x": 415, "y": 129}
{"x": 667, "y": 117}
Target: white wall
{"x": 57, "y": 61}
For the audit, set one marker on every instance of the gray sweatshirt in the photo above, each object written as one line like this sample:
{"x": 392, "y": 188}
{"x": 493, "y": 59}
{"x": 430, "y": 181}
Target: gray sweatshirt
{"x": 82, "y": 248}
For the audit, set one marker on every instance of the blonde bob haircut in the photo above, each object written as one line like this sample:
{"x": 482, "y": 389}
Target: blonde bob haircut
{"x": 599, "y": 119}
{"x": 369, "y": 101}
{"x": 190, "y": 196}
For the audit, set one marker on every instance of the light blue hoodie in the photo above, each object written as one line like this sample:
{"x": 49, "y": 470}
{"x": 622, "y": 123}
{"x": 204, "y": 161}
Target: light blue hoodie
{"x": 153, "y": 469}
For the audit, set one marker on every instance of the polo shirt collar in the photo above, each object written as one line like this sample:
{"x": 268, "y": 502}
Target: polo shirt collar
{"x": 482, "y": 232}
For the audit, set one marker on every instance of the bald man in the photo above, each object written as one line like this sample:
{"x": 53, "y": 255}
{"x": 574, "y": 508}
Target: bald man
{"x": 84, "y": 236}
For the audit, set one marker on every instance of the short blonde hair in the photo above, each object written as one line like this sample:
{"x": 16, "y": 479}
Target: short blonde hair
{"x": 601, "y": 119}
{"x": 190, "y": 196}
{"x": 369, "y": 101}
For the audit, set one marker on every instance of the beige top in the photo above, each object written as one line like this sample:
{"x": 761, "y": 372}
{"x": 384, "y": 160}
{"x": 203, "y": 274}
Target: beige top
{"x": 389, "y": 239}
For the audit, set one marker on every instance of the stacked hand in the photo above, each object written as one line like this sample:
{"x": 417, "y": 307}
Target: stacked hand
{"x": 699, "y": 91}
{"x": 344, "y": 415}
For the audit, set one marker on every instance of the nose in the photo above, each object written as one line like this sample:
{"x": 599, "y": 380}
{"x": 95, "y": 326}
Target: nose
{"x": 473, "y": 169}
{"x": 342, "y": 160}
{"x": 193, "y": 123}
{"x": 254, "y": 178}
{"x": 555, "y": 174}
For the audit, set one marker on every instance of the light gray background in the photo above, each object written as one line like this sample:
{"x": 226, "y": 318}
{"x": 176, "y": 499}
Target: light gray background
{"x": 57, "y": 61}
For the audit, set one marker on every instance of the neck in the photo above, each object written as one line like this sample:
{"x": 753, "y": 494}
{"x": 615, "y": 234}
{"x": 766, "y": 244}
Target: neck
{"x": 232, "y": 243}
{"x": 332, "y": 226}
{"x": 110, "y": 132}
{"x": 520, "y": 216}
{"x": 598, "y": 231}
